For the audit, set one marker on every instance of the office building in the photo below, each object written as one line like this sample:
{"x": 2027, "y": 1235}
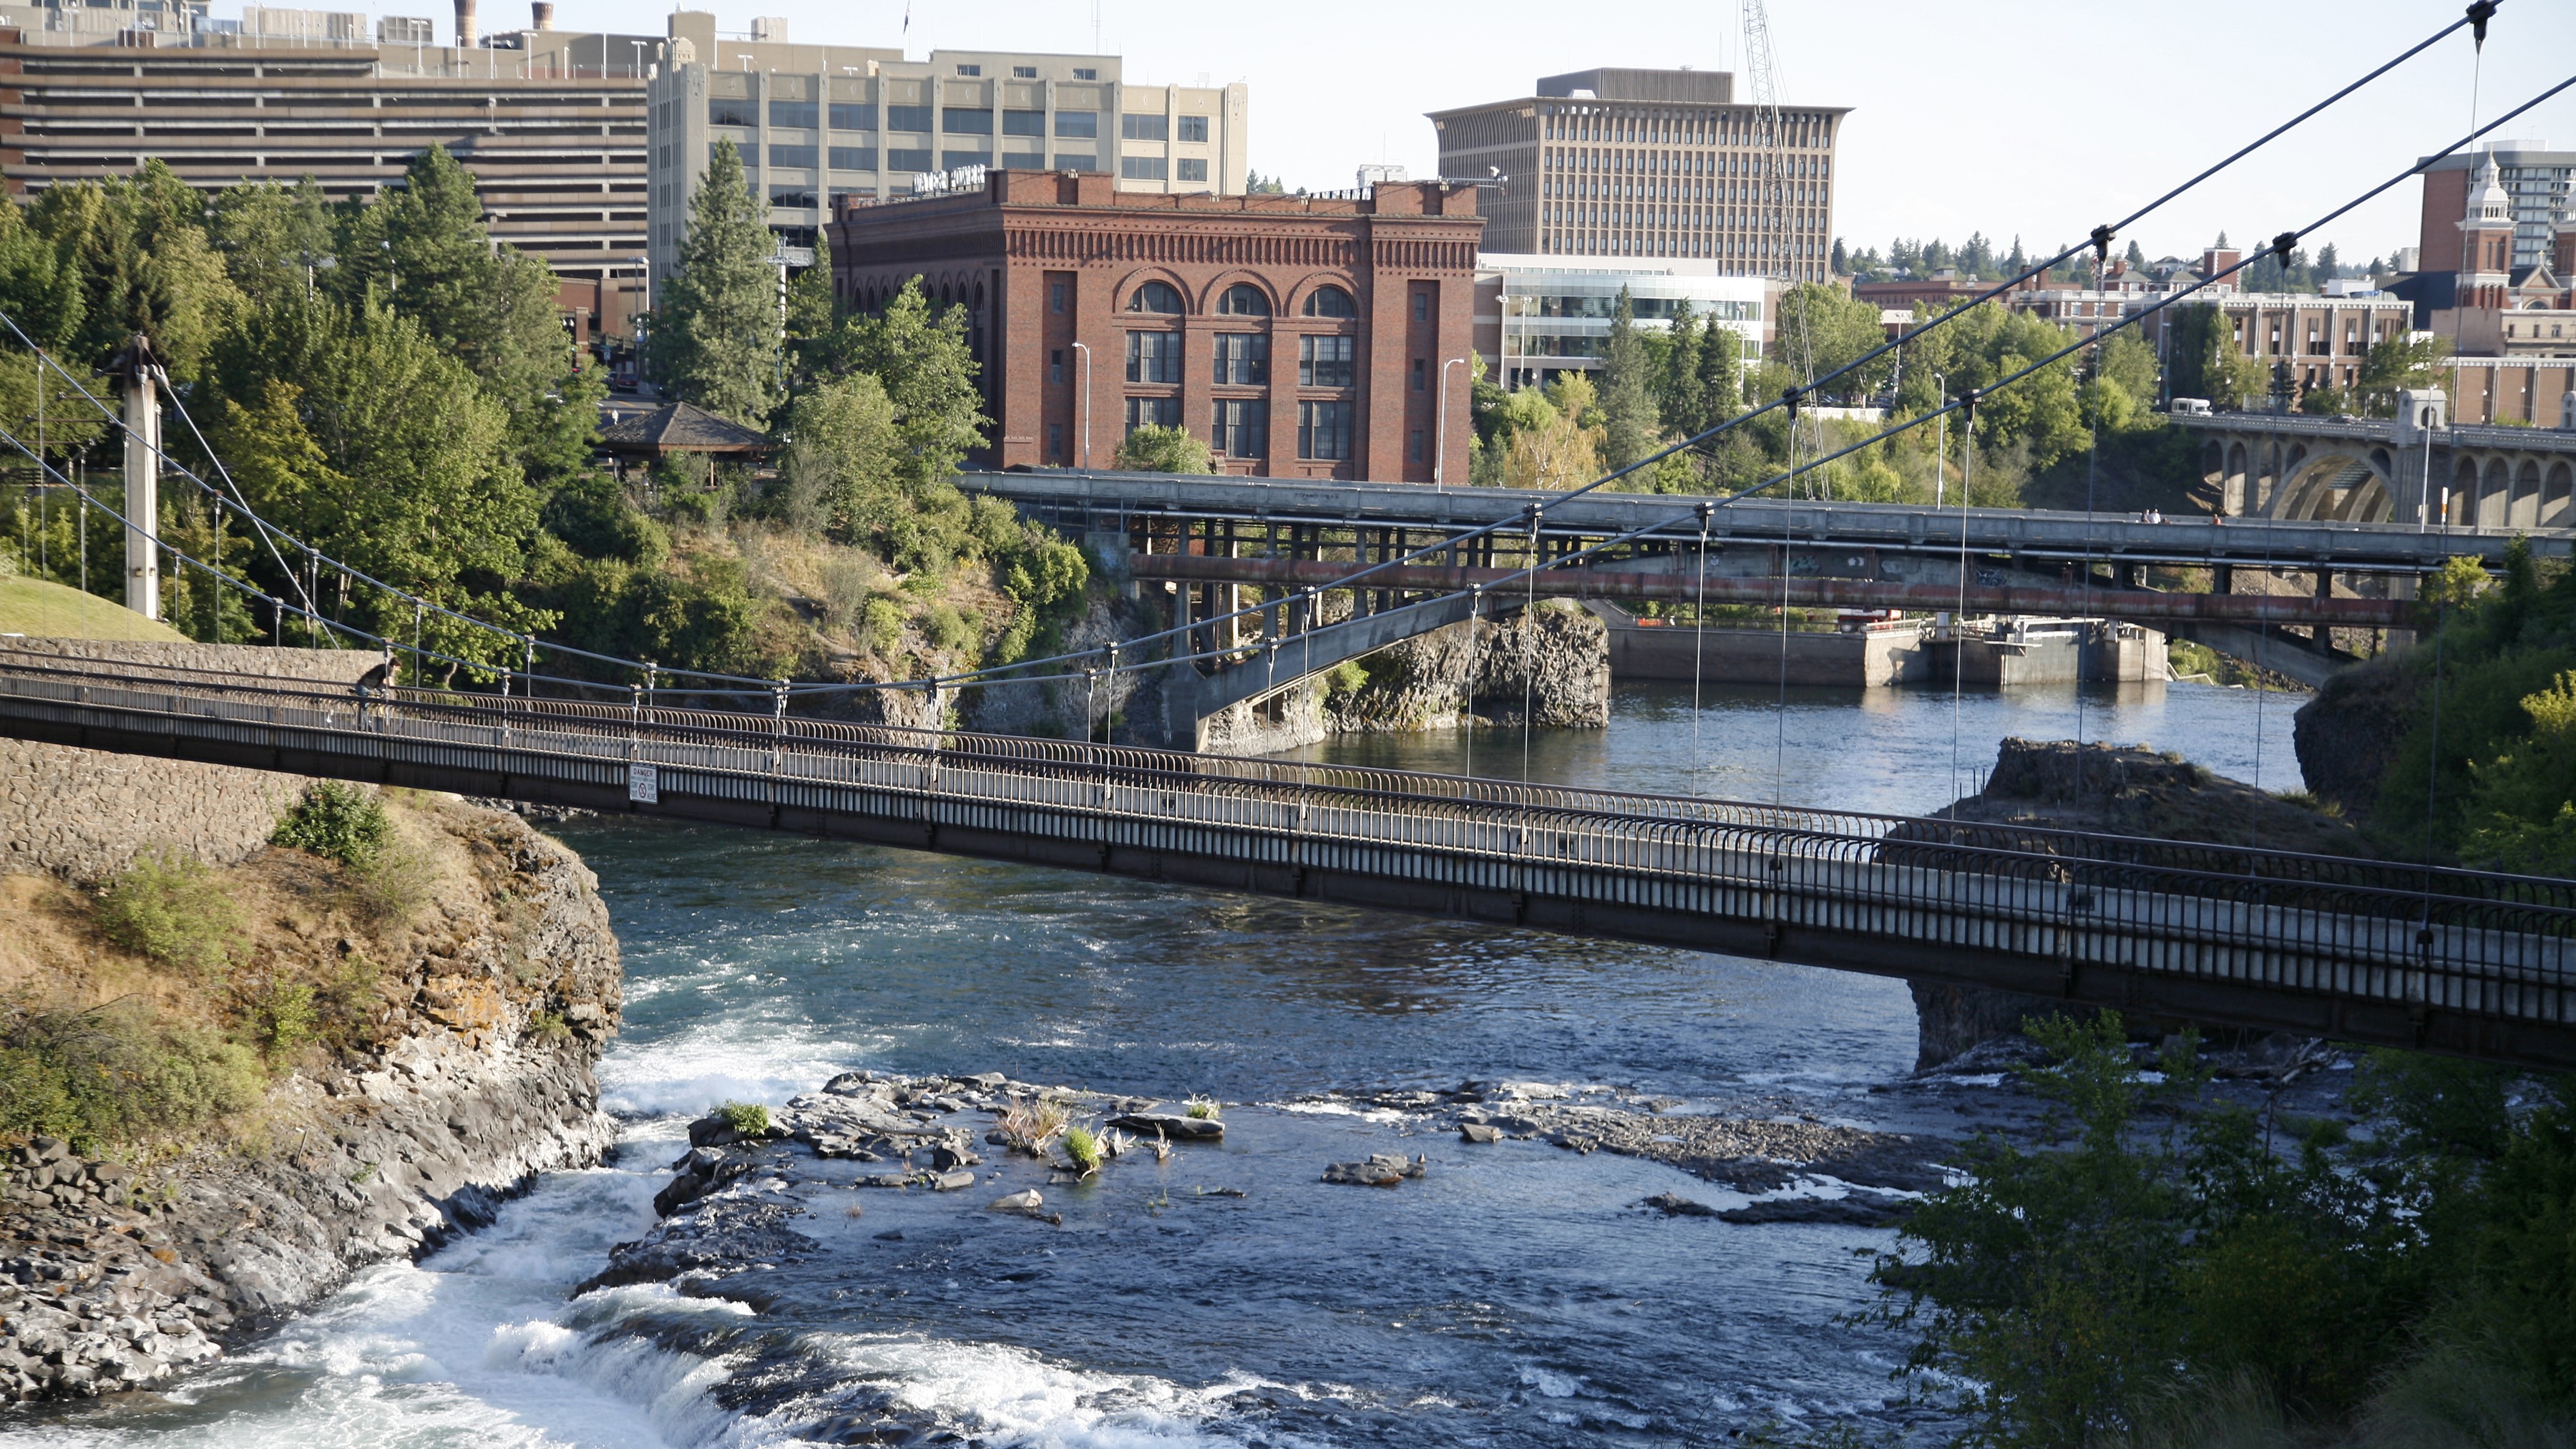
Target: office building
{"x": 1301, "y": 337}
{"x": 1538, "y": 316}
{"x": 1647, "y": 163}
{"x": 2534, "y": 182}
{"x": 814, "y": 123}
{"x": 551, "y": 122}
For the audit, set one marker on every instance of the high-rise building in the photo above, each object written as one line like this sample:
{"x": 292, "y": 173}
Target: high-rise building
{"x": 551, "y": 122}
{"x": 818, "y": 122}
{"x": 1647, "y": 163}
{"x": 2534, "y": 181}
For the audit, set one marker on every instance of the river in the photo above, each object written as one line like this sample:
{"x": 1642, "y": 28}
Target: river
{"x": 1514, "y": 1296}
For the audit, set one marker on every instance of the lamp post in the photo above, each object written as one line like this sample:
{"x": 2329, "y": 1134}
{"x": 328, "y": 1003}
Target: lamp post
{"x": 1440, "y": 442}
{"x": 1085, "y": 350}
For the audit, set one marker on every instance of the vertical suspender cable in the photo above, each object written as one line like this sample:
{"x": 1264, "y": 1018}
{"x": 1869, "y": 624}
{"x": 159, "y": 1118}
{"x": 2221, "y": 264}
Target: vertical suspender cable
{"x": 1699, "y": 640}
{"x": 1959, "y": 620}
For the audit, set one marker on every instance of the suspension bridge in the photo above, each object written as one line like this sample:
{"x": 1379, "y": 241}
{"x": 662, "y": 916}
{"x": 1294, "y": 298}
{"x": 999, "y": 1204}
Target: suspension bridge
{"x": 2447, "y": 960}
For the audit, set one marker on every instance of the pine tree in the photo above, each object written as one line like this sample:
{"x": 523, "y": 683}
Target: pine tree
{"x": 2136, "y": 257}
{"x": 715, "y": 338}
{"x": 1629, "y": 423}
{"x": 1842, "y": 259}
{"x": 1720, "y": 352}
{"x": 1677, "y": 390}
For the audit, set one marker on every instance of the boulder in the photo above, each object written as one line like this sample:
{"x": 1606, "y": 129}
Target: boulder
{"x": 1480, "y": 1132}
{"x": 953, "y": 1181}
{"x": 1381, "y": 1170}
{"x": 1674, "y": 1205}
{"x": 1028, "y": 1200}
{"x": 1171, "y": 1126}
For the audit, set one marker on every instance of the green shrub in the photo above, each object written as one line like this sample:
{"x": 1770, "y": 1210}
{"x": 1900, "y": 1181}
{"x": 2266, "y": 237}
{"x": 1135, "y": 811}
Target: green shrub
{"x": 171, "y": 908}
{"x": 1206, "y": 1109}
{"x": 948, "y": 629}
{"x": 284, "y": 1019}
{"x": 115, "y": 1073}
{"x": 550, "y": 1026}
{"x": 1347, "y": 677}
{"x": 1083, "y": 1146}
{"x": 748, "y": 1118}
{"x": 881, "y": 624}
{"x": 339, "y": 822}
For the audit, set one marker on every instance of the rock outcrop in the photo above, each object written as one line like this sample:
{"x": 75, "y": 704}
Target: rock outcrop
{"x": 1553, "y": 662}
{"x": 494, "y": 1002}
{"x": 2347, "y": 736}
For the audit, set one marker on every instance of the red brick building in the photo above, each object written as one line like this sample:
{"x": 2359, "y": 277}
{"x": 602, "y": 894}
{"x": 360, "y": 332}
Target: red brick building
{"x": 1301, "y": 337}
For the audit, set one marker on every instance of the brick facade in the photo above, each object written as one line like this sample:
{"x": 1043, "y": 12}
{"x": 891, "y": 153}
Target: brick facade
{"x": 1050, "y": 264}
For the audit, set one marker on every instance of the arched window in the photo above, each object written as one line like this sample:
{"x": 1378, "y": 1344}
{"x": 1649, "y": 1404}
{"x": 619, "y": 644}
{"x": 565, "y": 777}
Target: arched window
{"x": 1243, "y": 300}
{"x": 1155, "y": 297}
{"x": 1331, "y": 302}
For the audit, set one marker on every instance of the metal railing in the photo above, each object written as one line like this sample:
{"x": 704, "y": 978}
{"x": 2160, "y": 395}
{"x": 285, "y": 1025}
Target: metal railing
{"x": 2491, "y": 945}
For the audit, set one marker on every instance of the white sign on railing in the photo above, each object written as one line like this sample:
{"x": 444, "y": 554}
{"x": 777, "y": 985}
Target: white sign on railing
{"x": 644, "y": 784}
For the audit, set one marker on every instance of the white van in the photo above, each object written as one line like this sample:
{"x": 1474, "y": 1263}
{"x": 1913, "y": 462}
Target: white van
{"x": 2190, "y": 407}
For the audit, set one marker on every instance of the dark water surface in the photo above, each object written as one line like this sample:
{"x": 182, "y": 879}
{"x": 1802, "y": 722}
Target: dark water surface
{"x": 1513, "y": 1296}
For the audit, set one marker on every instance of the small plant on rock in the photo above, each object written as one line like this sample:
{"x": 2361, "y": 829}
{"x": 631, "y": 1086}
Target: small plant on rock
{"x": 337, "y": 821}
{"x": 1206, "y": 1109}
{"x": 747, "y": 1119}
{"x": 1030, "y": 1124}
{"x": 1085, "y": 1148}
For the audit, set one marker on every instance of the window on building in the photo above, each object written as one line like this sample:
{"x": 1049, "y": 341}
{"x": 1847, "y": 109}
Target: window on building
{"x": 1325, "y": 361}
{"x": 1153, "y": 357}
{"x": 951, "y": 160}
{"x": 1056, "y": 297}
{"x": 1153, "y": 412}
{"x": 907, "y": 159}
{"x": 791, "y": 196}
{"x": 732, "y": 111}
{"x": 1076, "y": 161}
{"x": 1242, "y": 359}
{"x": 970, "y": 70}
{"x": 1421, "y": 372}
{"x": 1024, "y": 72}
{"x": 1055, "y": 365}
{"x": 1055, "y": 443}
{"x": 1024, "y": 160}
{"x": 1193, "y": 168}
{"x": 1024, "y": 123}
{"x": 1137, "y": 127}
{"x": 1323, "y": 430}
{"x": 1331, "y": 302}
{"x": 854, "y": 158}
{"x": 804, "y": 156}
{"x": 1243, "y": 300}
{"x": 801, "y": 115}
{"x": 1086, "y": 72}
{"x": 1194, "y": 128}
{"x": 907, "y": 118}
{"x": 966, "y": 123}
{"x": 1413, "y": 445}
{"x": 853, "y": 116}
{"x": 1143, "y": 168}
{"x": 1242, "y": 427}
{"x": 1078, "y": 125}
{"x": 1160, "y": 297}
{"x": 1422, "y": 306}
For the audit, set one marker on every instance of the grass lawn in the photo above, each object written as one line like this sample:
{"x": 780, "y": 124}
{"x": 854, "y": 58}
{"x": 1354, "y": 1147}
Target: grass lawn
{"x": 50, "y": 611}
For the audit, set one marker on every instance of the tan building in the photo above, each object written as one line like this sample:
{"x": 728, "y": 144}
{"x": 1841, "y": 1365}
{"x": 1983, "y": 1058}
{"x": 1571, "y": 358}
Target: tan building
{"x": 818, "y": 122}
{"x": 551, "y": 122}
{"x": 1645, "y": 163}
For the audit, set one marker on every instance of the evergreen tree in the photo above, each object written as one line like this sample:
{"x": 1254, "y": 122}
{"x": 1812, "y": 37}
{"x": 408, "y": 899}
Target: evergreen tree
{"x": 1677, "y": 388}
{"x": 1842, "y": 259}
{"x": 1630, "y": 427}
{"x": 274, "y": 239}
{"x": 2329, "y": 266}
{"x": 2018, "y": 262}
{"x": 921, "y": 358}
{"x": 1721, "y": 353}
{"x": 2135, "y": 256}
{"x": 715, "y": 339}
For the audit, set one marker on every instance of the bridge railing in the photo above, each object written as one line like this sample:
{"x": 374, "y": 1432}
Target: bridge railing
{"x": 2463, "y": 939}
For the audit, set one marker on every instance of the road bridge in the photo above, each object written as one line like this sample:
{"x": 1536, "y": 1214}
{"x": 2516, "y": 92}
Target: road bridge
{"x": 1109, "y": 507}
{"x": 2305, "y": 470}
{"x": 2453, "y": 961}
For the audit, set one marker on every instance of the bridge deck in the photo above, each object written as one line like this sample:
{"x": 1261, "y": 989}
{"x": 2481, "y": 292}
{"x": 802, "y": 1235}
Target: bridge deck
{"x": 2449, "y": 960}
{"x": 1074, "y": 499}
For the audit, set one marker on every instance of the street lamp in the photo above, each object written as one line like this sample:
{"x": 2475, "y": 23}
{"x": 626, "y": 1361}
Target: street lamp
{"x": 1440, "y": 444}
{"x": 1086, "y": 402}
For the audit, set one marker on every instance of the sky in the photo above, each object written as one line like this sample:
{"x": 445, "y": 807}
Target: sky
{"x": 2011, "y": 117}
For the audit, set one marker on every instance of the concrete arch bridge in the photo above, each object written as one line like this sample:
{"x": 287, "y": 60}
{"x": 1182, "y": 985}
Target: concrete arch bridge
{"x": 2369, "y": 470}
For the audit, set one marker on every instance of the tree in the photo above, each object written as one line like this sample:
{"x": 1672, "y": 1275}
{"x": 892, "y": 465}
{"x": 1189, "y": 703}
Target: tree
{"x": 1555, "y": 435}
{"x": 1842, "y": 259}
{"x": 1156, "y": 449}
{"x": 136, "y": 249}
{"x": 1823, "y": 329}
{"x": 2329, "y": 266}
{"x": 1630, "y": 428}
{"x": 2135, "y": 256}
{"x": 273, "y": 238}
{"x": 1677, "y": 399}
{"x": 2394, "y": 364}
{"x": 921, "y": 357}
{"x": 1256, "y": 184}
{"x": 1721, "y": 363}
{"x": 845, "y": 452}
{"x": 2206, "y": 362}
{"x": 715, "y": 339}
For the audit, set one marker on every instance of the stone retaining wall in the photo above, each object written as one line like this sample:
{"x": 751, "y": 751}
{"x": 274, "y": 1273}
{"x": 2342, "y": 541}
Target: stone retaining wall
{"x": 84, "y": 815}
